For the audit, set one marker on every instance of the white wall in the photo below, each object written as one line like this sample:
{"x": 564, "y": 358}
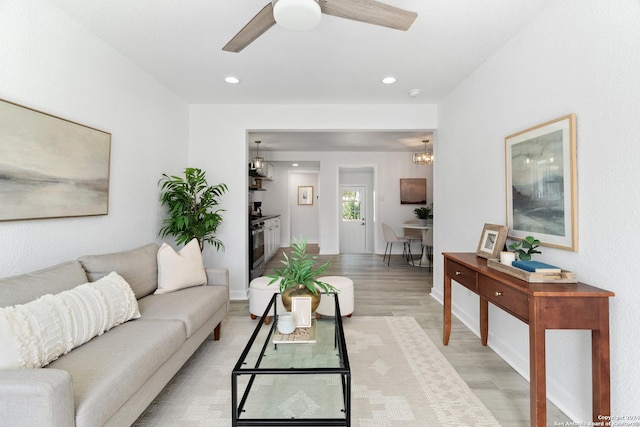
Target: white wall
{"x": 304, "y": 219}
{"x": 49, "y": 63}
{"x": 577, "y": 56}
{"x": 218, "y": 142}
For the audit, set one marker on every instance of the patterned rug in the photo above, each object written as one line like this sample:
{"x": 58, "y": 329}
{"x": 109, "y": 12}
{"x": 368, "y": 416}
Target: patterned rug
{"x": 399, "y": 378}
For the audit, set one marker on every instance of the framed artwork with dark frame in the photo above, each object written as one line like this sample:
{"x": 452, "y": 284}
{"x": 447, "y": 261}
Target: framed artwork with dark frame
{"x": 492, "y": 241}
{"x": 305, "y": 195}
{"x": 541, "y": 183}
{"x": 51, "y": 167}
{"x": 413, "y": 191}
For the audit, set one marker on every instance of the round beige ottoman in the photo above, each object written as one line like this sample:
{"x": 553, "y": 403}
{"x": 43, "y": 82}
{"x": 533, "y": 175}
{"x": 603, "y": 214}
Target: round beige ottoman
{"x": 260, "y": 293}
{"x": 344, "y": 285}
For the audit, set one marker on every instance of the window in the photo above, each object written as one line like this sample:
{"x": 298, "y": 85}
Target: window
{"x": 351, "y": 206}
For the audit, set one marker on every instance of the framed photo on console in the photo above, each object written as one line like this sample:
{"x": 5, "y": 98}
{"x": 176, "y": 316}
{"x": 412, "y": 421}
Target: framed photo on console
{"x": 492, "y": 241}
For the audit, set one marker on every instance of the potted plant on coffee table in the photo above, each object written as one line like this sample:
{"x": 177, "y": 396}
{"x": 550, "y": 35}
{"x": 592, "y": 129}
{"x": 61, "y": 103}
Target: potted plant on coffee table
{"x": 298, "y": 277}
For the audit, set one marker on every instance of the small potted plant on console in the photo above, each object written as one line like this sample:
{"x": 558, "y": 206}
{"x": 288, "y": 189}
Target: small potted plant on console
{"x": 525, "y": 248}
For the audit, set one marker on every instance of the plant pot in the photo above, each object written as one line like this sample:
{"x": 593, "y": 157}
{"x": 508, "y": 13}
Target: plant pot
{"x": 423, "y": 222}
{"x": 300, "y": 291}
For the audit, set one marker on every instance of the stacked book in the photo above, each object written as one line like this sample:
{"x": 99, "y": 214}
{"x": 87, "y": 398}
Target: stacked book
{"x": 534, "y": 271}
{"x": 536, "y": 267}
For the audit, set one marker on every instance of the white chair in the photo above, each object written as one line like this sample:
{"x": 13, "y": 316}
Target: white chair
{"x": 390, "y": 238}
{"x": 411, "y": 233}
{"x": 427, "y": 244}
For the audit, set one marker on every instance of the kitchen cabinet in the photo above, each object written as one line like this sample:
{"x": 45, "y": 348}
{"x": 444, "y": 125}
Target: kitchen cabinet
{"x": 271, "y": 237}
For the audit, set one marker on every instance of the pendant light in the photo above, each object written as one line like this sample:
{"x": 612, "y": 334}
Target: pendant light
{"x": 424, "y": 158}
{"x": 258, "y": 162}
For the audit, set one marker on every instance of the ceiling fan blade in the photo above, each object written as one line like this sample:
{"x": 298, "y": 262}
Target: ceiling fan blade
{"x": 254, "y": 29}
{"x": 370, "y": 12}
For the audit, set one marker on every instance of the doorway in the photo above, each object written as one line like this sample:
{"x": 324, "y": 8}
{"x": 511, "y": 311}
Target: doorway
{"x": 356, "y": 209}
{"x": 353, "y": 219}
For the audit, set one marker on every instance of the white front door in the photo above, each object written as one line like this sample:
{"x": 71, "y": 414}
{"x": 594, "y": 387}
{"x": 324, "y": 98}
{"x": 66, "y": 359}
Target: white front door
{"x": 353, "y": 224}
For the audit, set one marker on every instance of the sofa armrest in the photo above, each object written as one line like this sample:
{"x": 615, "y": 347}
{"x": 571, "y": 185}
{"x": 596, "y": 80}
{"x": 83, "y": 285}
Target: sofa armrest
{"x": 36, "y": 397}
{"x": 218, "y": 276}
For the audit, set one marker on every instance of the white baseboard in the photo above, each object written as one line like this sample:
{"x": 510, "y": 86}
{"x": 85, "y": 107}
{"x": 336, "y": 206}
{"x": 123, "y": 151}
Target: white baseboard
{"x": 556, "y": 392}
{"x": 238, "y": 295}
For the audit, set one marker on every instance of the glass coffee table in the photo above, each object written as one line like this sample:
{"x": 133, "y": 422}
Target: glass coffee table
{"x": 293, "y": 383}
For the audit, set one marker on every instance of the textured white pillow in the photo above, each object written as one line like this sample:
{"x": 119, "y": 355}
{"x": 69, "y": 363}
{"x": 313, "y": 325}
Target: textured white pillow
{"x": 178, "y": 270}
{"x": 34, "y": 334}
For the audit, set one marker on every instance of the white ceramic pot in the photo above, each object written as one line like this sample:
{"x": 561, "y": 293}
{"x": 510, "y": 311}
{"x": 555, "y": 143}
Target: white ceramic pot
{"x": 286, "y": 323}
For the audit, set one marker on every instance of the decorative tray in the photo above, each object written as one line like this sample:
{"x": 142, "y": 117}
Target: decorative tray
{"x": 564, "y": 276}
{"x": 299, "y": 336}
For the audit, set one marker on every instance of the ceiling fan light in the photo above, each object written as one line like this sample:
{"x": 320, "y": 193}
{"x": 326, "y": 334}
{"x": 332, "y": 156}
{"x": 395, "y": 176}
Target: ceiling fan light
{"x": 297, "y": 15}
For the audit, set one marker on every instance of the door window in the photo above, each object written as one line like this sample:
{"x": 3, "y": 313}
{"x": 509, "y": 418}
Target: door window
{"x": 351, "y": 207}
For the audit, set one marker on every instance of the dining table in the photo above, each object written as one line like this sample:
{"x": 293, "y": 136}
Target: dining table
{"x": 424, "y": 260}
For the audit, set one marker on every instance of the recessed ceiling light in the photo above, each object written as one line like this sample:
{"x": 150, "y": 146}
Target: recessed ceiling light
{"x": 389, "y": 80}
{"x": 294, "y": 164}
{"x": 232, "y": 80}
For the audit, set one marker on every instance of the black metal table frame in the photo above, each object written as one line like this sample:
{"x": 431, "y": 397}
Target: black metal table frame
{"x": 344, "y": 372}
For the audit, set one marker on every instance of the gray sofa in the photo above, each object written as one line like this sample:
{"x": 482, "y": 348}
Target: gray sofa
{"x": 111, "y": 379}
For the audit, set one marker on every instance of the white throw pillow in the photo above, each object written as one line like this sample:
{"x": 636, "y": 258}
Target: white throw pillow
{"x": 179, "y": 270}
{"x": 33, "y": 335}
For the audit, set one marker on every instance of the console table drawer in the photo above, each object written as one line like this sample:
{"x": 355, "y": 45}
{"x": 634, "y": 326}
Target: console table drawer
{"x": 463, "y": 275}
{"x": 505, "y": 297}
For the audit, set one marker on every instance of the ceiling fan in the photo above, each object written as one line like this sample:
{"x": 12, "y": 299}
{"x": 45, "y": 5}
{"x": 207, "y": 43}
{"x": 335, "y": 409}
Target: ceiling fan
{"x": 305, "y": 14}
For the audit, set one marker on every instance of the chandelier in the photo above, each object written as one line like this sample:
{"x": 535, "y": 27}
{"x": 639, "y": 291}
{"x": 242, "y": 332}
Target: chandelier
{"x": 424, "y": 158}
{"x": 258, "y": 161}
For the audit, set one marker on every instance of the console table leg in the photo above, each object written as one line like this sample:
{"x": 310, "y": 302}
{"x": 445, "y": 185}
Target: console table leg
{"x": 446, "y": 333}
{"x": 537, "y": 368}
{"x": 600, "y": 361}
{"x": 484, "y": 320}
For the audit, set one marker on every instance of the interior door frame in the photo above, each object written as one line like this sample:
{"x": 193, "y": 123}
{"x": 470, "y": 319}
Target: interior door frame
{"x": 372, "y": 208}
{"x": 366, "y": 192}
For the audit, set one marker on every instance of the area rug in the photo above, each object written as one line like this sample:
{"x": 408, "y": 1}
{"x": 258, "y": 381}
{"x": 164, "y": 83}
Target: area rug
{"x": 399, "y": 378}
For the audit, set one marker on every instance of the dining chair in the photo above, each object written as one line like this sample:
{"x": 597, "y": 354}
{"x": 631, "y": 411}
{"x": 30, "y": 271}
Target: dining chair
{"x": 427, "y": 244}
{"x": 411, "y": 233}
{"x": 390, "y": 238}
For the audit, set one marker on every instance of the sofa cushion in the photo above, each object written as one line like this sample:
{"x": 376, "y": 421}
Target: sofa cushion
{"x": 110, "y": 368}
{"x": 137, "y": 266}
{"x": 192, "y": 306}
{"x": 179, "y": 270}
{"x": 34, "y": 334}
{"x": 27, "y": 287}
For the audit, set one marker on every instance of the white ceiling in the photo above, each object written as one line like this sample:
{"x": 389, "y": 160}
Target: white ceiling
{"x": 341, "y": 140}
{"x": 338, "y": 62}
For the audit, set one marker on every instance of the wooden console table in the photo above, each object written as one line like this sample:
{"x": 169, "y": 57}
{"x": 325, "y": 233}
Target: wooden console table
{"x": 542, "y": 306}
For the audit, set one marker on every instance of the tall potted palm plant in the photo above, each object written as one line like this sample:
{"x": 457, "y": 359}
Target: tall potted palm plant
{"x": 191, "y": 207}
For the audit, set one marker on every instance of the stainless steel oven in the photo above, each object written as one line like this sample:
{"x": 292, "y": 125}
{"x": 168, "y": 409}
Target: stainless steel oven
{"x": 256, "y": 251}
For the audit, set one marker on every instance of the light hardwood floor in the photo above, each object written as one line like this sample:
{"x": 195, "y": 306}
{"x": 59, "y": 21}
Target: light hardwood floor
{"x": 403, "y": 290}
